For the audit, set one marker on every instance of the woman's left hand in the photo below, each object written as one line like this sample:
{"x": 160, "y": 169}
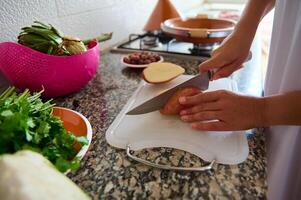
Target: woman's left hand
{"x": 222, "y": 111}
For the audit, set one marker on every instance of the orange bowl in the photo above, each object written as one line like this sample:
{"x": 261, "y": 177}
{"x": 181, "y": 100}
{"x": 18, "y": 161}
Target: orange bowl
{"x": 76, "y": 124}
{"x": 198, "y": 30}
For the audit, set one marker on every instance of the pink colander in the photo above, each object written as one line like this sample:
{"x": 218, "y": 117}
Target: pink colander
{"x": 59, "y": 75}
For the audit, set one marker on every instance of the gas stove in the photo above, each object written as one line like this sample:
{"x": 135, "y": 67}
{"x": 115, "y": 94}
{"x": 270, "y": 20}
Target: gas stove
{"x": 164, "y": 45}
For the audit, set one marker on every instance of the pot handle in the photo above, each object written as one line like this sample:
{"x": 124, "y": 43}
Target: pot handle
{"x": 166, "y": 167}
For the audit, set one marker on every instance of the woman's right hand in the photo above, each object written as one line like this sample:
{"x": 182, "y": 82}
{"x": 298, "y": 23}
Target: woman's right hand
{"x": 229, "y": 57}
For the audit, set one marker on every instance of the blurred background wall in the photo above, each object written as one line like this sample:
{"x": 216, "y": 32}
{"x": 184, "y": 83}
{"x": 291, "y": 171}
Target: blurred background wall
{"x": 82, "y": 18}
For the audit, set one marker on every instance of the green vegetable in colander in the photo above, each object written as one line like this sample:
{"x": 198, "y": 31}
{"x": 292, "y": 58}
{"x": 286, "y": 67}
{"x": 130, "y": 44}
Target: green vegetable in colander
{"x": 47, "y": 39}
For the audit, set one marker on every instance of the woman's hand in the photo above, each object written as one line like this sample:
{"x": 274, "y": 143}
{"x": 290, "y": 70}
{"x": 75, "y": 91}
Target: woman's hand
{"x": 229, "y": 111}
{"x": 229, "y": 57}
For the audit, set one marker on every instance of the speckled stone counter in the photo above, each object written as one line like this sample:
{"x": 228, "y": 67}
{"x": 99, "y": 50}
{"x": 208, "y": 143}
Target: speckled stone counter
{"x": 107, "y": 173}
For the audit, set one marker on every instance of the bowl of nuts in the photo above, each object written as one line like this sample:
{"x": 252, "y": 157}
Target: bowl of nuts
{"x": 140, "y": 59}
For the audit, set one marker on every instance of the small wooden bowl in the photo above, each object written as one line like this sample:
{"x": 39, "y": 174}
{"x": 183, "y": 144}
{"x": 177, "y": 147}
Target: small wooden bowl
{"x": 76, "y": 124}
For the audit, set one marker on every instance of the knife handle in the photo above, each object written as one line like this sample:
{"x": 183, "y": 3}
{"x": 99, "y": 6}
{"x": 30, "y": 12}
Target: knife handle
{"x": 211, "y": 73}
{"x": 166, "y": 167}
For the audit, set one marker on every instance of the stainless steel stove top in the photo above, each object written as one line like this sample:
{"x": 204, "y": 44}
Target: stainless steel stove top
{"x": 164, "y": 45}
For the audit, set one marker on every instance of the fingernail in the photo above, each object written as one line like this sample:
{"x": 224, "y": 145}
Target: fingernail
{"x": 216, "y": 77}
{"x": 194, "y": 125}
{"x": 183, "y": 112}
{"x": 184, "y": 118}
{"x": 182, "y": 99}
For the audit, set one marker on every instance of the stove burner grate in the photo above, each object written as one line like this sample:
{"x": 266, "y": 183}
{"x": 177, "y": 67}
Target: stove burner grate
{"x": 165, "y": 45}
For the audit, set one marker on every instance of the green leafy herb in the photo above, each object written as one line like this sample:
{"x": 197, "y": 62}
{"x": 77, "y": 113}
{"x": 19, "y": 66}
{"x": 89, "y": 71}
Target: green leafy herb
{"x": 27, "y": 123}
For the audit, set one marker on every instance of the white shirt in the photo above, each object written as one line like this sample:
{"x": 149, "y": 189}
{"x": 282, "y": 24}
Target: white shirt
{"x": 284, "y": 75}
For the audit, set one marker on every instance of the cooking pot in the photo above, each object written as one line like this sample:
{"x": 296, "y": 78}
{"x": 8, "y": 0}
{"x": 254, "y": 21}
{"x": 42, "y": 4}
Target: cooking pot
{"x": 198, "y": 30}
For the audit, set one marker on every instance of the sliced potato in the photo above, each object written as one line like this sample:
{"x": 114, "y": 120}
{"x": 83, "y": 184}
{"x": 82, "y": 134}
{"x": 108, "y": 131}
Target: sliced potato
{"x": 172, "y": 105}
{"x": 161, "y": 72}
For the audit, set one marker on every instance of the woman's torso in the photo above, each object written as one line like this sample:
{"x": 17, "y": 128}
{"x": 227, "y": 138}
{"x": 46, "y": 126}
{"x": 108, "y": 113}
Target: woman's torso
{"x": 284, "y": 75}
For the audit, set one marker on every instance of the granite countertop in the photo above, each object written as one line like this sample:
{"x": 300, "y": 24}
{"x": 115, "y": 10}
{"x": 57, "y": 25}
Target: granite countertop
{"x": 107, "y": 172}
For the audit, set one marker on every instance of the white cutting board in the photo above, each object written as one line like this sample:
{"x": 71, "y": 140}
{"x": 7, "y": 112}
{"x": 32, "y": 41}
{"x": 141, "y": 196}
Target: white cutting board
{"x": 155, "y": 130}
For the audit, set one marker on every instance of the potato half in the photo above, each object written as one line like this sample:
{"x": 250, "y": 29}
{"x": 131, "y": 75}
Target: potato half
{"x": 161, "y": 72}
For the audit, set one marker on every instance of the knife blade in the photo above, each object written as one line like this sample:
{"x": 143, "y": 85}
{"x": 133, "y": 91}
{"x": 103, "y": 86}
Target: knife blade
{"x": 201, "y": 81}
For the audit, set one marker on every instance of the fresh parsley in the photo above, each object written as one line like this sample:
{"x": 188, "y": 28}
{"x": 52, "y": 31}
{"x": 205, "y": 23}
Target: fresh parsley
{"x": 26, "y": 122}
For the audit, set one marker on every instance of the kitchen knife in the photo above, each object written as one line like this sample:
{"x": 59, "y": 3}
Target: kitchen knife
{"x": 200, "y": 81}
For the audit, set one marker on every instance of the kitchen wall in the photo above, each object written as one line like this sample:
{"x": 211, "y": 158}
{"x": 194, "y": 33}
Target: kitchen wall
{"x": 83, "y": 18}
{"x": 227, "y": 1}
